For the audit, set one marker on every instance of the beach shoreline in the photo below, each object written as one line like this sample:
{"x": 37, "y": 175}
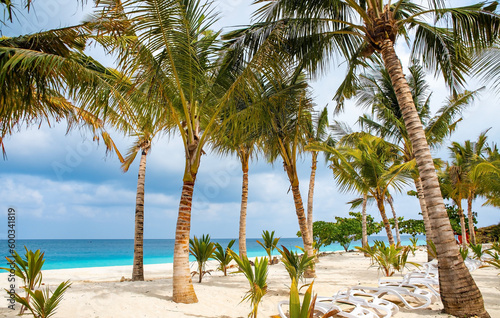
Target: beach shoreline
{"x": 98, "y": 293}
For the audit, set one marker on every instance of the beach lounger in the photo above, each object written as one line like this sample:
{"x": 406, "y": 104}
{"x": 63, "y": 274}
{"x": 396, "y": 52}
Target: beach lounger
{"x": 427, "y": 277}
{"x": 341, "y": 309}
{"x": 410, "y": 296}
{"x": 383, "y": 308}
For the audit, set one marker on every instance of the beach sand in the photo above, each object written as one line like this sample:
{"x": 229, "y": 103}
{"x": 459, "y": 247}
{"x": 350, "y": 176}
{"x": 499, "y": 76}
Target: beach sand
{"x": 98, "y": 292}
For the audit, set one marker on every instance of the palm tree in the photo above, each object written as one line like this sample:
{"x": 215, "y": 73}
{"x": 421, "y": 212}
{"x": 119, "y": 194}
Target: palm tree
{"x": 317, "y": 132}
{"x": 390, "y": 200}
{"x": 369, "y": 165}
{"x": 240, "y": 139}
{"x": 176, "y": 61}
{"x": 284, "y": 121}
{"x": 317, "y": 30}
{"x": 375, "y": 91}
{"x": 144, "y": 135}
{"x": 477, "y": 170}
{"x": 453, "y": 186}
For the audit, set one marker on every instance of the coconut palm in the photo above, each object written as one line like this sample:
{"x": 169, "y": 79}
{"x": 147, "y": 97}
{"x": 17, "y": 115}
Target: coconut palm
{"x": 377, "y": 93}
{"x": 144, "y": 135}
{"x": 390, "y": 200}
{"x": 317, "y": 132}
{"x": 238, "y": 138}
{"x": 477, "y": 170}
{"x": 284, "y": 121}
{"x": 175, "y": 60}
{"x": 317, "y": 31}
{"x": 369, "y": 165}
{"x": 453, "y": 187}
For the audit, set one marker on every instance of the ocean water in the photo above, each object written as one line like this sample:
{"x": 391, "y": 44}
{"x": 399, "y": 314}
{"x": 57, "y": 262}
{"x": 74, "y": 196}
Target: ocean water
{"x": 62, "y": 254}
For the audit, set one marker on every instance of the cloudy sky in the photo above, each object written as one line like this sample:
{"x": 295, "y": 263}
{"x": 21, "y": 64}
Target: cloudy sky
{"x": 65, "y": 186}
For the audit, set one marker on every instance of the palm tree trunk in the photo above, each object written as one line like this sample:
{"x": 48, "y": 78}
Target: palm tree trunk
{"x": 459, "y": 292}
{"x": 472, "y": 232}
{"x": 306, "y": 236}
{"x": 387, "y": 225}
{"x": 396, "y": 223}
{"x": 364, "y": 232}
{"x": 183, "y": 290}
{"x": 310, "y": 195}
{"x": 138, "y": 268}
{"x": 462, "y": 224}
{"x": 242, "y": 240}
{"x": 425, "y": 215}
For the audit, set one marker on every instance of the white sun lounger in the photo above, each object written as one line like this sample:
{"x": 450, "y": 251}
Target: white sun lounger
{"x": 324, "y": 308}
{"x": 427, "y": 277}
{"x": 383, "y": 308}
{"x": 405, "y": 293}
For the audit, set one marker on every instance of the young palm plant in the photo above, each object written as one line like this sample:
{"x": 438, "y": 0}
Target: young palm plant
{"x": 223, "y": 256}
{"x": 43, "y": 304}
{"x": 390, "y": 259}
{"x": 257, "y": 279}
{"x": 29, "y": 269}
{"x": 295, "y": 264}
{"x": 202, "y": 249}
{"x": 269, "y": 243}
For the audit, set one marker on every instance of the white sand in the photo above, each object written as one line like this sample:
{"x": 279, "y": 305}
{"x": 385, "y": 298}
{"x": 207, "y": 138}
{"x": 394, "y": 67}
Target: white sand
{"x": 97, "y": 292}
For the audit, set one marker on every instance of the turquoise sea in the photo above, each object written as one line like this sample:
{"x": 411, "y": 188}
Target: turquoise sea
{"x": 61, "y": 254}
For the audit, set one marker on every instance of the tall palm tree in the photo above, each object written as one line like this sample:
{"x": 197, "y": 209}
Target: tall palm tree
{"x": 238, "y": 138}
{"x": 170, "y": 50}
{"x": 144, "y": 129}
{"x": 376, "y": 92}
{"x": 371, "y": 166}
{"x": 316, "y": 30}
{"x": 317, "y": 132}
{"x": 284, "y": 123}
{"x": 453, "y": 186}
{"x": 390, "y": 200}
{"x": 477, "y": 170}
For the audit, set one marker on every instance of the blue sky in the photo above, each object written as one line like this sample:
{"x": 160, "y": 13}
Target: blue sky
{"x": 65, "y": 186}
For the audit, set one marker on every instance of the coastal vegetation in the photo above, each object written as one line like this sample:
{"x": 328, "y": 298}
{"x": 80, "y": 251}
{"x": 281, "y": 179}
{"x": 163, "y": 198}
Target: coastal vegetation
{"x": 247, "y": 92}
{"x": 42, "y": 303}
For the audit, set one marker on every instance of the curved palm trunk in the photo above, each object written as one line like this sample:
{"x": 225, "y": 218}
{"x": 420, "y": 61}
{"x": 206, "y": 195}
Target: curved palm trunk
{"x": 396, "y": 222}
{"x": 306, "y": 236}
{"x": 242, "y": 239}
{"x": 138, "y": 267}
{"x": 459, "y": 292}
{"x": 462, "y": 224}
{"x": 385, "y": 220}
{"x": 472, "y": 232}
{"x": 364, "y": 232}
{"x": 310, "y": 194}
{"x": 183, "y": 290}
{"x": 425, "y": 215}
